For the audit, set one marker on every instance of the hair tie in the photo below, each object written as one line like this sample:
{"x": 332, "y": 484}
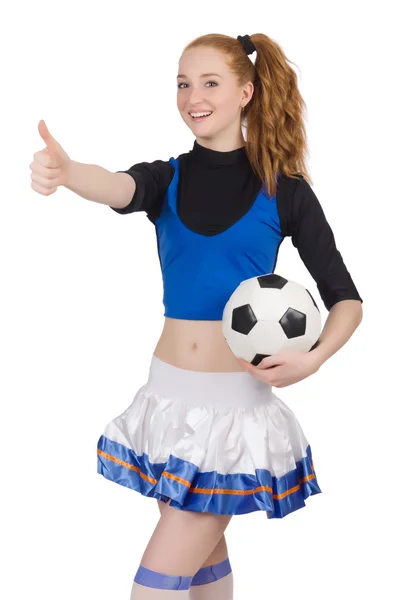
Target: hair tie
{"x": 246, "y": 43}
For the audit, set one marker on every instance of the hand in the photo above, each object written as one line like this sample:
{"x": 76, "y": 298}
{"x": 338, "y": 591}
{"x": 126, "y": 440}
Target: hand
{"x": 284, "y": 368}
{"x": 50, "y": 166}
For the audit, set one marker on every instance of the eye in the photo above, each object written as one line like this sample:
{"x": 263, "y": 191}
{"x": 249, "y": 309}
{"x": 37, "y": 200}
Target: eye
{"x": 179, "y": 84}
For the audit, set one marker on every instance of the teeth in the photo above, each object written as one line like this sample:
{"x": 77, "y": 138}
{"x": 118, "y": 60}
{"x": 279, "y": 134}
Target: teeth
{"x": 201, "y": 114}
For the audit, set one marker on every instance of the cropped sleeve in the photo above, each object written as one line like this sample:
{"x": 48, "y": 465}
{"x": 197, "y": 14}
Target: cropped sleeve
{"x": 303, "y": 219}
{"x": 152, "y": 180}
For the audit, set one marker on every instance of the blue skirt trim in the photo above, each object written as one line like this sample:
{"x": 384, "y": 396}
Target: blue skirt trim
{"x": 190, "y": 489}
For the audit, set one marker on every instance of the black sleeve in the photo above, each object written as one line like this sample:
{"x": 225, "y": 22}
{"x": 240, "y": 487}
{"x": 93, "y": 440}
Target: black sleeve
{"x": 152, "y": 180}
{"x": 302, "y": 218}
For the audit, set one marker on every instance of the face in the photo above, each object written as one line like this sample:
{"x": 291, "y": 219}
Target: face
{"x": 205, "y": 84}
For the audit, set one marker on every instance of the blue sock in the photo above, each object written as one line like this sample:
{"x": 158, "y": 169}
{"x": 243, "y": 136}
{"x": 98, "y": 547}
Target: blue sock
{"x": 212, "y": 573}
{"x": 161, "y": 581}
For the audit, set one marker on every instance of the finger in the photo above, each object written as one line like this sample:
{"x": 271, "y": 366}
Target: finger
{"x": 44, "y": 171}
{"x": 247, "y": 366}
{"x": 44, "y": 182}
{"x": 51, "y": 143}
{"x": 260, "y": 374}
{"x": 44, "y": 191}
{"x": 246, "y": 363}
{"x": 243, "y": 362}
{"x": 44, "y": 158}
{"x": 270, "y": 361}
{"x": 253, "y": 370}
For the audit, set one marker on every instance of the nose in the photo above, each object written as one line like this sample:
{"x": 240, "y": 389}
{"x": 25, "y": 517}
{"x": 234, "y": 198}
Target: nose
{"x": 195, "y": 96}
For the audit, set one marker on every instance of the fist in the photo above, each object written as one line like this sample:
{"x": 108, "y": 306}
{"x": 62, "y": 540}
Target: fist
{"x": 50, "y": 166}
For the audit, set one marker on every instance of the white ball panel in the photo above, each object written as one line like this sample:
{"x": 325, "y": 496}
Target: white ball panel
{"x": 302, "y": 344}
{"x": 243, "y": 293}
{"x": 269, "y": 304}
{"x": 297, "y": 297}
{"x": 267, "y": 337}
{"x": 240, "y": 344}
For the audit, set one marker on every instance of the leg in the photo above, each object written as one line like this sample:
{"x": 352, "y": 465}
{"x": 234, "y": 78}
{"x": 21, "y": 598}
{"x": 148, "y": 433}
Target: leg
{"x": 219, "y": 553}
{"x": 211, "y": 584}
{"x": 179, "y": 545}
{"x": 183, "y": 540}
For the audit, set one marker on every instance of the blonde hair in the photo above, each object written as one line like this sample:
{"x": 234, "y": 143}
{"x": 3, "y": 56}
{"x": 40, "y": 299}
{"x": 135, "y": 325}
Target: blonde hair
{"x": 274, "y": 117}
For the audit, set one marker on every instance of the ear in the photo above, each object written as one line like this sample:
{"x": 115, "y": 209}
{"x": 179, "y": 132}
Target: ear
{"x": 248, "y": 91}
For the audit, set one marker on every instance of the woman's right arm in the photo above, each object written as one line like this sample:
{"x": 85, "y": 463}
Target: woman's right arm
{"x": 97, "y": 184}
{"x": 142, "y": 187}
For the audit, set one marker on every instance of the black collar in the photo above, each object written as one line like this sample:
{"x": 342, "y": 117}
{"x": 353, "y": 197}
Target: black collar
{"x": 214, "y": 157}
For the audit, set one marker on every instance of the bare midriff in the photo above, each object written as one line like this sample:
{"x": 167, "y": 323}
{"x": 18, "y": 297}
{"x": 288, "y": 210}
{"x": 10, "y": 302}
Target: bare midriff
{"x": 196, "y": 346}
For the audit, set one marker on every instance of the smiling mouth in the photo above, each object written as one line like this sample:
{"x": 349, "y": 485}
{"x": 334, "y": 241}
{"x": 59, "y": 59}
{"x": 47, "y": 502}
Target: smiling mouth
{"x": 197, "y": 119}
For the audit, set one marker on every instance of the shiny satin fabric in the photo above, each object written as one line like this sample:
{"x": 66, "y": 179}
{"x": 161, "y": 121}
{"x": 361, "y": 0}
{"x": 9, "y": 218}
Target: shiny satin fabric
{"x": 212, "y": 442}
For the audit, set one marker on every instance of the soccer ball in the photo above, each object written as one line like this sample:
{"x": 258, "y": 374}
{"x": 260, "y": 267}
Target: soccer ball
{"x": 268, "y": 314}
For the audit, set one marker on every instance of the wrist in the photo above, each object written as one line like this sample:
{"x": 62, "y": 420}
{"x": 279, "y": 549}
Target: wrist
{"x": 317, "y": 357}
{"x": 66, "y": 179}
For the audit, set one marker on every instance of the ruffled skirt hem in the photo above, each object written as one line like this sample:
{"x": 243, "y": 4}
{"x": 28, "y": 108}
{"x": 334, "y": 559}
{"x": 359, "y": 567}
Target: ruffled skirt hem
{"x": 189, "y": 489}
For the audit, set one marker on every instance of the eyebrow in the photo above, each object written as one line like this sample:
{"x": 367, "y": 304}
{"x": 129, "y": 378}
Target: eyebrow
{"x": 203, "y": 75}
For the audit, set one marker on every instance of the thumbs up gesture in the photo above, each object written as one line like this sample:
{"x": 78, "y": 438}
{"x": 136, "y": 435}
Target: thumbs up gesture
{"x": 50, "y": 166}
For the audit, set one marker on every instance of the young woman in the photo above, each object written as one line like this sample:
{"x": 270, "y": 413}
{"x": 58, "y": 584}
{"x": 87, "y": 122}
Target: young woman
{"x": 205, "y": 435}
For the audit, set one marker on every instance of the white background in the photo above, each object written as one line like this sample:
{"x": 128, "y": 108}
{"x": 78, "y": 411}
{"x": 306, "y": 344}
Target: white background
{"x": 81, "y": 299}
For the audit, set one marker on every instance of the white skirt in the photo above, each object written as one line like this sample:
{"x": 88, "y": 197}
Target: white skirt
{"x": 222, "y": 443}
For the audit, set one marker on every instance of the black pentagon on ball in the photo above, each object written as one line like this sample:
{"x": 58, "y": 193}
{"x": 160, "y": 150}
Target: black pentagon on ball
{"x": 293, "y": 323}
{"x": 243, "y": 319}
{"x": 272, "y": 281}
{"x": 314, "y": 302}
{"x": 257, "y": 359}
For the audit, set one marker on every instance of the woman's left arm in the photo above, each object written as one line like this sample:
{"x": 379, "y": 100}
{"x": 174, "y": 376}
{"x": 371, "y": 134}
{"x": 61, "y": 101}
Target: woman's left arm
{"x": 304, "y": 220}
{"x": 342, "y": 321}
{"x": 289, "y": 366}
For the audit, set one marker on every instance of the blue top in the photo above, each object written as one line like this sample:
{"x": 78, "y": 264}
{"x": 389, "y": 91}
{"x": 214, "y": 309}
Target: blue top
{"x": 216, "y": 226}
{"x": 201, "y": 272}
